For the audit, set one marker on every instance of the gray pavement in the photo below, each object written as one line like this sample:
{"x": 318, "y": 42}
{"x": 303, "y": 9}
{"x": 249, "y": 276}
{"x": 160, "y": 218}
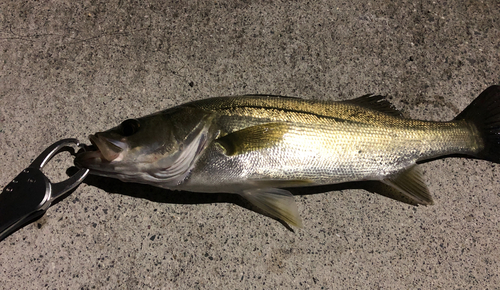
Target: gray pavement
{"x": 71, "y": 68}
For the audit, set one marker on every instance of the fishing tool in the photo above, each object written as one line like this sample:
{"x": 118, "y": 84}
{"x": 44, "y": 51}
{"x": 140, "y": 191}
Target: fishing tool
{"x": 28, "y": 196}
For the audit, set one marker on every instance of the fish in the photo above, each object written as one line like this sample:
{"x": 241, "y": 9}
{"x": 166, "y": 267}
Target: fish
{"x": 259, "y": 146}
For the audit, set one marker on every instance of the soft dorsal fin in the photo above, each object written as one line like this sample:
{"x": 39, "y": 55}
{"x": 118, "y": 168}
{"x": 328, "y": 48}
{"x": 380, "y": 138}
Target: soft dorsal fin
{"x": 253, "y": 138}
{"x": 375, "y": 102}
{"x": 410, "y": 184}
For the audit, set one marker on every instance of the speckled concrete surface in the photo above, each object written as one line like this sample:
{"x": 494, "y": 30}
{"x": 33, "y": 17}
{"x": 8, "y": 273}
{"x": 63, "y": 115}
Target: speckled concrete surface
{"x": 71, "y": 68}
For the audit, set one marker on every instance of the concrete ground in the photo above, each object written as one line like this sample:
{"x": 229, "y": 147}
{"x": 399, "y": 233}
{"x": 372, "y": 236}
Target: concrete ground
{"x": 71, "y": 68}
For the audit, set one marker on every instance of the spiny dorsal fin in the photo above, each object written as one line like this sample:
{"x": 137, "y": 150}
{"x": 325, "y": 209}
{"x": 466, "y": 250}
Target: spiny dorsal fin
{"x": 375, "y": 102}
{"x": 253, "y": 138}
{"x": 277, "y": 203}
{"x": 410, "y": 184}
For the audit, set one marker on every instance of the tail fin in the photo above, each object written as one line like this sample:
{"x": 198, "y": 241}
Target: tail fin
{"x": 484, "y": 113}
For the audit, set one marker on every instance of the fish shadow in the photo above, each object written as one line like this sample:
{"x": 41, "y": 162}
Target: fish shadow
{"x": 160, "y": 195}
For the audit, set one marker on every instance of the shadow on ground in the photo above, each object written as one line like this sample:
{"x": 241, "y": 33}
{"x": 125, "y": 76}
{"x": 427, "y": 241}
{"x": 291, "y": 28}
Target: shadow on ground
{"x": 161, "y": 195}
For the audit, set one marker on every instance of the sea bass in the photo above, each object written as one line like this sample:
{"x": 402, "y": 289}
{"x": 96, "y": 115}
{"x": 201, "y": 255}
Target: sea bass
{"x": 256, "y": 145}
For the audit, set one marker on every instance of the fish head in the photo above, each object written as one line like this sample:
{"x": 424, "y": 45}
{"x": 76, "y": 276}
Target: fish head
{"x": 146, "y": 150}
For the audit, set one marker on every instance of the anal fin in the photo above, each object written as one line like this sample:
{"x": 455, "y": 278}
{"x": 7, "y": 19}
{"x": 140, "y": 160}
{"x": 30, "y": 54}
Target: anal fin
{"x": 277, "y": 203}
{"x": 411, "y": 185}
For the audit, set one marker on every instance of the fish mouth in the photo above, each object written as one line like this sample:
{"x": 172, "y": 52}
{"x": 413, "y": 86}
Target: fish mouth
{"x": 109, "y": 149}
{"x": 104, "y": 150}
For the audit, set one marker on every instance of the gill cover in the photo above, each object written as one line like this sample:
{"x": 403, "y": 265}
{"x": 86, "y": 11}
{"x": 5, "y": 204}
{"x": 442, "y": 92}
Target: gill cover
{"x": 173, "y": 169}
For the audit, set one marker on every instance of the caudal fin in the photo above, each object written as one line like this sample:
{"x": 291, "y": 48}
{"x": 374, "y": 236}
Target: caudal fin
{"x": 484, "y": 113}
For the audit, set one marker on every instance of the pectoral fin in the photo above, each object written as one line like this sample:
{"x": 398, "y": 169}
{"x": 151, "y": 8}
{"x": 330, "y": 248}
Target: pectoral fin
{"x": 278, "y": 203}
{"x": 410, "y": 184}
{"x": 253, "y": 138}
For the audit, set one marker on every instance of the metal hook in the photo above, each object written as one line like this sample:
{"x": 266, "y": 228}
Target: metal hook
{"x": 60, "y": 188}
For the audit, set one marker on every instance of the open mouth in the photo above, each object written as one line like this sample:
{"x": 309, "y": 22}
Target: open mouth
{"x": 109, "y": 149}
{"x": 102, "y": 150}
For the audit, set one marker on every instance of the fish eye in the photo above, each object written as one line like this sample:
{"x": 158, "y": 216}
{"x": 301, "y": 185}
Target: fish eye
{"x": 130, "y": 127}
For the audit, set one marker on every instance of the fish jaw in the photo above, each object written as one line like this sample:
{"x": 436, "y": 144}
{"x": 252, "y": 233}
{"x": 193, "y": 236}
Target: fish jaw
{"x": 110, "y": 149}
{"x": 117, "y": 167}
{"x": 107, "y": 151}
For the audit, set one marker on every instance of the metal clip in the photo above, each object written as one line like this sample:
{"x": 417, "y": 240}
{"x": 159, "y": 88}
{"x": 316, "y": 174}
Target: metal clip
{"x": 31, "y": 193}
